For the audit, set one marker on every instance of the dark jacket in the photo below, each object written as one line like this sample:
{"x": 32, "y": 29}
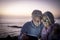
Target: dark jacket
{"x": 55, "y": 33}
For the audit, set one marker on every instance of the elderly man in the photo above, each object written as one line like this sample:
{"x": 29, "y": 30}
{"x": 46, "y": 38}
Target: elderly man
{"x": 31, "y": 30}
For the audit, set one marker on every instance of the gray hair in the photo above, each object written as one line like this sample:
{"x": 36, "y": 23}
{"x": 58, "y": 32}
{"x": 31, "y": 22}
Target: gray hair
{"x": 37, "y": 13}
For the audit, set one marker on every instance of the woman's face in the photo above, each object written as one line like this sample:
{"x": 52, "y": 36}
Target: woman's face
{"x": 45, "y": 21}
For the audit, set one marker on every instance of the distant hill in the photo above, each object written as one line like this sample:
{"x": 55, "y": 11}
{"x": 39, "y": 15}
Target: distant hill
{"x": 58, "y": 18}
{"x": 15, "y": 26}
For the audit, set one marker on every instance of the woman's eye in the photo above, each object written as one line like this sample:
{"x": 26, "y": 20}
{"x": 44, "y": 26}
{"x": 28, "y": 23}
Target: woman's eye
{"x": 44, "y": 20}
{"x": 47, "y": 20}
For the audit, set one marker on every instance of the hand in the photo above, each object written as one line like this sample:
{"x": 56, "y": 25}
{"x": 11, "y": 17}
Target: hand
{"x": 24, "y": 37}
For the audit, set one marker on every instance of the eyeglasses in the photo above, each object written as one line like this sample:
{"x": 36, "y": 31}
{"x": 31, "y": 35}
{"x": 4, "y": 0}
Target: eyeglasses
{"x": 45, "y": 20}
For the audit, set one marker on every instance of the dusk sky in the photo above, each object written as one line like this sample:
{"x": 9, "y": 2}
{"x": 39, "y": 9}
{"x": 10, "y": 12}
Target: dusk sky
{"x": 25, "y": 7}
{"x": 15, "y": 13}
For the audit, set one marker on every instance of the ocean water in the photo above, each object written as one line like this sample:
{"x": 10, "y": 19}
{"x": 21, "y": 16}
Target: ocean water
{"x": 5, "y": 30}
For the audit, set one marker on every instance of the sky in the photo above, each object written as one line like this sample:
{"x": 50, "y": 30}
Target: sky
{"x": 23, "y": 8}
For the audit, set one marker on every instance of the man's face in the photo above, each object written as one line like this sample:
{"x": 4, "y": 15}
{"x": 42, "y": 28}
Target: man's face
{"x": 37, "y": 19}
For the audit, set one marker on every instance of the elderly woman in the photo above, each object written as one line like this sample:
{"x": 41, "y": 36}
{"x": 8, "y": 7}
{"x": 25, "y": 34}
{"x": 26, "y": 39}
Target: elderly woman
{"x": 51, "y": 29}
{"x": 48, "y": 21}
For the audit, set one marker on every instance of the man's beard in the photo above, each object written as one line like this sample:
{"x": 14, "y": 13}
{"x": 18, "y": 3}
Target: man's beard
{"x": 37, "y": 23}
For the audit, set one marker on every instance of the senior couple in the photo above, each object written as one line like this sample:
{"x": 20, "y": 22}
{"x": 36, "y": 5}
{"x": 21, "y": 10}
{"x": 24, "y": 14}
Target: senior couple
{"x": 42, "y": 26}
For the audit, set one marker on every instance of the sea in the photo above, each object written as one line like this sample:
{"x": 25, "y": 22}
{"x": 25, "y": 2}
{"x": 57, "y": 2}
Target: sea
{"x": 13, "y": 31}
